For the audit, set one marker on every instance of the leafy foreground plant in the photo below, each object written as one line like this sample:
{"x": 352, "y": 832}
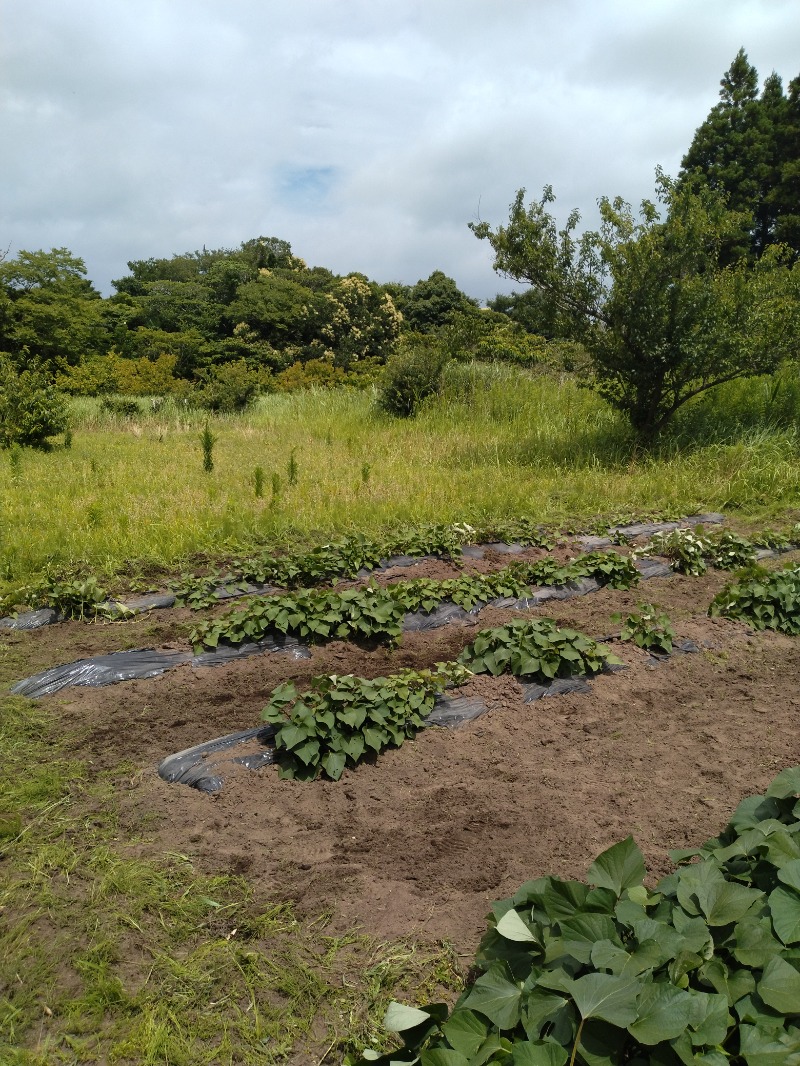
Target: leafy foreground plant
{"x": 79, "y": 598}
{"x": 535, "y": 648}
{"x": 765, "y": 600}
{"x": 703, "y": 970}
{"x": 648, "y": 628}
{"x": 343, "y": 719}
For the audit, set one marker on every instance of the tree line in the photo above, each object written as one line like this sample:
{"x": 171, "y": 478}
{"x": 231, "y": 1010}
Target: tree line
{"x": 697, "y": 288}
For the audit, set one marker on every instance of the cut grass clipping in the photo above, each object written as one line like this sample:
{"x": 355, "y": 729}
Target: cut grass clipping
{"x": 704, "y": 969}
{"x": 108, "y": 956}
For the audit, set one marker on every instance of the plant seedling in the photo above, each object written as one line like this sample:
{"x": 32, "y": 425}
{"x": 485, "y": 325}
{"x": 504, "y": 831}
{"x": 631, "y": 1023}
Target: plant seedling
{"x": 648, "y": 628}
{"x": 207, "y": 442}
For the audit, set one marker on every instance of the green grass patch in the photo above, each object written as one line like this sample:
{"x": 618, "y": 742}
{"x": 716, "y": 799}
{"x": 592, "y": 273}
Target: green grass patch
{"x": 497, "y": 442}
{"x": 111, "y": 954}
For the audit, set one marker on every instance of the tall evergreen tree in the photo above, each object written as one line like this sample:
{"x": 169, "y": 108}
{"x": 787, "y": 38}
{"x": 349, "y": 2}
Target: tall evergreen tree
{"x": 747, "y": 148}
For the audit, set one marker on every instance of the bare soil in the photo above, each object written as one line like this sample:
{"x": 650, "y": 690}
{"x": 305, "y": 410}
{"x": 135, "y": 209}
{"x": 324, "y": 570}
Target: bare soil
{"x": 420, "y": 841}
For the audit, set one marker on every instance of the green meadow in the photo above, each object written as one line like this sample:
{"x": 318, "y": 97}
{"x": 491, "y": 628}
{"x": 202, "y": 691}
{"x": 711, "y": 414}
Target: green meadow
{"x": 132, "y": 491}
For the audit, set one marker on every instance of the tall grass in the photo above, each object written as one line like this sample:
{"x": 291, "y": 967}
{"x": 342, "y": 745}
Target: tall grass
{"x": 496, "y": 442}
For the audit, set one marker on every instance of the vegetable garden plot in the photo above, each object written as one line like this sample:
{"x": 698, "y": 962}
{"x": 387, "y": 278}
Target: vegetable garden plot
{"x": 197, "y": 592}
{"x": 227, "y": 643}
{"x": 419, "y": 839}
{"x": 205, "y": 766}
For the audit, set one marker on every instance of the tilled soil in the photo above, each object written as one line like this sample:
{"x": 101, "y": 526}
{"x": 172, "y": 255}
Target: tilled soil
{"x": 423, "y": 838}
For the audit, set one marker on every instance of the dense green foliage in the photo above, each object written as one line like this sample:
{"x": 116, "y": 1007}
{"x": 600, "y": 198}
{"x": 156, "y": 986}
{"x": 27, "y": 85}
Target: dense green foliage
{"x": 704, "y": 969}
{"x": 537, "y": 649}
{"x": 749, "y": 148}
{"x": 691, "y": 550}
{"x": 661, "y": 313}
{"x": 31, "y": 409}
{"x": 648, "y": 628}
{"x": 342, "y": 720}
{"x": 411, "y": 376}
{"x": 49, "y": 312}
{"x": 765, "y": 600}
{"x": 373, "y": 612}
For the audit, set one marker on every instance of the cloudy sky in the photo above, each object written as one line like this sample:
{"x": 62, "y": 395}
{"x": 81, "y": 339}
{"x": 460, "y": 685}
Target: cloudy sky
{"x": 368, "y": 133}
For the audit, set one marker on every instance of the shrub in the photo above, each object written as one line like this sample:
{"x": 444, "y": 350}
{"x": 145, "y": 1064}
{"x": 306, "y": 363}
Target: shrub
{"x": 229, "y": 387}
{"x": 535, "y": 648}
{"x": 345, "y": 719}
{"x": 648, "y": 628}
{"x": 411, "y": 376}
{"x": 762, "y": 599}
{"x": 31, "y": 408}
{"x": 122, "y": 406}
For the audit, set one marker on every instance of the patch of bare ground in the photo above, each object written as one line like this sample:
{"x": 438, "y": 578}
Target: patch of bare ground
{"x": 421, "y": 840}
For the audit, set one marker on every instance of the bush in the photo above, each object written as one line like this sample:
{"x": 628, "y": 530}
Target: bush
{"x": 31, "y": 408}
{"x": 121, "y": 406}
{"x": 411, "y": 376}
{"x": 229, "y": 387}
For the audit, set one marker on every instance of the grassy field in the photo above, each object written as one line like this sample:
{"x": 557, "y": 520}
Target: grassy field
{"x": 142, "y": 957}
{"x": 497, "y": 443}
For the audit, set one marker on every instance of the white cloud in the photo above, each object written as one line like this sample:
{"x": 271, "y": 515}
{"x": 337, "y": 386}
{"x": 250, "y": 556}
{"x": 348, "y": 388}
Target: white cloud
{"x": 368, "y": 133}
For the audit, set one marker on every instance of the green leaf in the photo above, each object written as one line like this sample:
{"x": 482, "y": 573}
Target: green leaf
{"x": 619, "y": 867}
{"x": 754, "y": 943}
{"x": 465, "y": 1031}
{"x": 662, "y": 1013}
{"x": 561, "y": 899}
{"x": 512, "y": 927}
{"x": 308, "y": 753}
{"x": 539, "y": 1008}
{"x": 733, "y": 985}
{"x": 400, "y": 1017}
{"x": 581, "y": 933}
{"x": 604, "y": 996}
{"x": 539, "y": 1053}
{"x": 709, "y": 1017}
{"x": 333, "y": 764}
{"x": 729, "y": 902}
{"x": 784, "y": 905}
{"x": 779, "y": 986}
{"x": 497, "y": 995}
{"x": 789, "y": 874}
{"x": 443, "y": 1057}
{"x": 602, "y": 1044}
{"x": 760, "y": 1047}
{"x": 786, "y": 784}
{"x": 703, "y": 887}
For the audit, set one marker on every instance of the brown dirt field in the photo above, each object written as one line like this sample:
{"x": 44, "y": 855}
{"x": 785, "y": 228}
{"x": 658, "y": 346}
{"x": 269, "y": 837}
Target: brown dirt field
{"x": 420, "y": 841}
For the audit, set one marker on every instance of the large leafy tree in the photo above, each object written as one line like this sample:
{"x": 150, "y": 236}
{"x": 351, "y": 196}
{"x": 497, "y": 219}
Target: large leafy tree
{"x": 49, "y": 312}
{"x": 431, "y": 303}
{"x": 662, "y": 314}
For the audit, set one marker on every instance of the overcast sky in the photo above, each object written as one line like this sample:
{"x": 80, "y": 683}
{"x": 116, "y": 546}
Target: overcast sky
{"x": 367, "y": 133}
